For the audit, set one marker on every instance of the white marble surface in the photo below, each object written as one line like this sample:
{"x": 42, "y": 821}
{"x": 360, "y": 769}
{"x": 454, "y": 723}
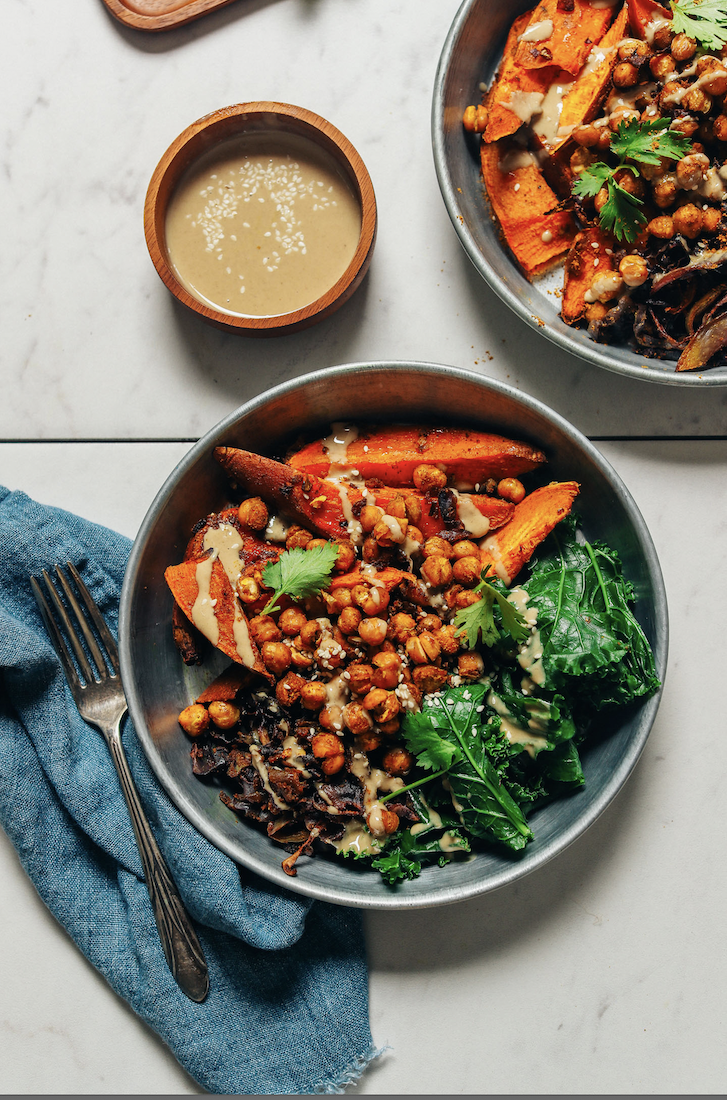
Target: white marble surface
{"x": 603, "y": 971}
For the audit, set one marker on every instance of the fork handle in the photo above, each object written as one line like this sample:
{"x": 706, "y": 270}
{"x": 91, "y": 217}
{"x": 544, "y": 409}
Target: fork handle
{"x": 182, "y": 949}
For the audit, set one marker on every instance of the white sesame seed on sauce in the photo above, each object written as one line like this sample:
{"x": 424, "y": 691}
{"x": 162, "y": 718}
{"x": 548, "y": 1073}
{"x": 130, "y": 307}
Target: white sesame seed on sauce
{"x": 293, "y": 198}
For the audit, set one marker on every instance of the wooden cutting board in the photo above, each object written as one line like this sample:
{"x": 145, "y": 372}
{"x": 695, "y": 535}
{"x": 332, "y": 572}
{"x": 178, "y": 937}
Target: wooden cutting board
{"x": 160, "y": 15}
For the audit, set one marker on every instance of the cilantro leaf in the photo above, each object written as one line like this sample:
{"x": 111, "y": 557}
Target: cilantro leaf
{"x": 432, "y": 750}
{"x": 621, "y": 215}
{"x": 705, "y": 20}
{"x": 647, "y": 142}
{"x": 592, "y": 179}
{"x": 298, "y": 573}
{"x": 479, "y": 620}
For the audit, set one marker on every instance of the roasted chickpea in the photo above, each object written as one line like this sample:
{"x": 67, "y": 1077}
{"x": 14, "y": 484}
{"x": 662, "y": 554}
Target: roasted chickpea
{"x": 467, "y": 571}
{"x": 291, "y": 621}
{"x": 629, "y": 182}
{"x": 301, "y": 658}
{"x": 414, "y": 534}
{"x": 194, "y": 719}
{"x": 586, "y": 135}
{"x": 287, "y": 690}
{"x": 436, "y": 571}
{"x": 371, "y": 551}
{"x": 711, "y": 219}
{"x": 331, "y": 718}
{"x": 276, "y": 657}
{"x": 369, "y": 516}
{"x": 581, "y": 159}
{"x": 688, "y": 220}
{"x": 340, "y": 600}
{"x": 310, "y": 634}
{"x": 661, "y": 227}
{"x": 297, "y": 536}
{"x": 253, "y": 513}
{"x": 510, "y": 488}
{"x": 346, "y": 552}
{"x": 446, "y": 638}
{"x": 327, "y": 746}
{"x": 595, "y": 311}
{"x": 423, "y": 648}
{"x": 372, "y": 631}
{"x": 625, "y": 75}
{"x": 633, "y": 49}
{"x": 359, "y": 677}
{"x": 429, "y": 477}
{"x": 466, "y": 598}
{"x": 313, "y": 695}
{"x": 713, "y": 78}
{"x": 382, "y": 822}
{"x": 248, "y": 589}
{"x": 224, "y": 715}
{"x": 633, "y": 270}
{"x": 369, "y": 741}
{"x": 720, "y": 127}
{"x": 429, "y": 678}
{"x": 470, "y": 666}
{"x": 383, "y": 704}
{"x": 697, "y": 100}
{"x": 435, "y": 546}
{"x": 474, "y": 118}
{"x": 413, "y": 508}
{"x": 397, "y": 761}
{"x": 387, "y": 668}
{"x": 356, "y": 718}
{"x": 665, "y": 190}
{"x": 465, "y": 548}
{"x": 601, "y": 199}
{"x": 396, "y": 507}
{"x": 316, "y": 543}
{"x": 372, "y": 600}
{"x": 685, "y": 125}
{"x": 264, "y": 629}
{"x": 349, "y": 620}
{"x": 390, "y": 530}
{"x": 621, "y": 114}
{"x": 428, "y": 622}
{"x": 663, "y": 35}
{"x": 683, "y": 47}
{"x": 401, "y": 626}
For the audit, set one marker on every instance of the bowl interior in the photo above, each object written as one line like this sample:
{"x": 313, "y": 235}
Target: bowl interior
{"x": 158, "y": 685}
{"x": 271, "y": 119}
{"x": 470, "y": 57}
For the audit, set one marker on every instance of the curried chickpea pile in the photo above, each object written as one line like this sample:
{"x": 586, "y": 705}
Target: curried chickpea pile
{"x": 343, "y": 668}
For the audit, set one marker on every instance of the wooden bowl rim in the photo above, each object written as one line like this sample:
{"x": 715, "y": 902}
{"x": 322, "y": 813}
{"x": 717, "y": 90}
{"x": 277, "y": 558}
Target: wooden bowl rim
{"x": 178, "y": 157}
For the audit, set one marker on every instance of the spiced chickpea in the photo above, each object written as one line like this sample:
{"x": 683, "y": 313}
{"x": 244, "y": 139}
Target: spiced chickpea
{"x": 263, "y": 628}
{"x": 397, "y": 761}
{"x": 633, "y": 270}
{"x": 697, "y": 100}
{"x": 600, "y": 200}
{"x": 429, "y": 678}
{"x": 586, "y": 135}
{"x": 604, "y": 140}
{"x": 685, "y": 125}
{"x": 581, "y": 159}
{"x": 287, "y": 690}
{"x": 423, "y": 648}
{"x": 465, "y": 548}
{"x": 467, "y": 571}
{"x": 688, "y": 220}
{"x": 427, "y": 477}
{"x": 316, "y": 544}
{"x": 512, "y": 489}
{"x": 713, "y": 78}
{"x": 466, "y": 598}
{"x": 253, "y": 513}
{"x": 451, "y": 594}
{"x": 341, "y": 600}
{"x": 436, "y": 547}
{"x": 372, "y": 631}
{"x": 248, "y": 589}
{"x": 633, "y": 49}
{"x": 346, "y": 556}
{"x": 383, "y": 704}
{"x": 428, "y": 622}
{"x": 663, "y": 35}
{"x": 356, "y": 718}
{"x": 413, "y": 509}
{"x": 313, "y": 695}
{"x": 359, "y": 677}
{"x": 368, "y": 741}
{"x": 720, "y": 127}
{"x": 224, "y": 715}
{"x": 331, "y": 718}
{"x": 436, "y": 571}
{"x": 661, "y": 227}
{"x": 349, "y": 620}
{"x": 390, "y": 530}
{"x": 414, "y": 534}
{"x": 301, "y": 658}
{"x": 370, "y": 550}
{"x": 392, "y": 727}
{"x": 711, "y": 219}
{"x": 665, "y": 190}
{"x": 446, "y": 637}
{"x": 683, "y": 48}
{"x": 387, "y": 669}
{"x": 396, "y": 507}
{"x": 621, "y": 114}
{"x": 625, "y": 75}
{"x": 194, "y": 719}
{"x": 470, "y": 666}
{"x": 625, "y": 178}
{"x": 297, "y": 536}
{"x": 662, "y": 65}
{"x": 276, "y": 657}
{"x": 383, "y": 822}
{"x": 310, "y": 634}
{"x": 401, "y": 626}
{"x": 326, "y": 745}
{"x": 291, "y": 621}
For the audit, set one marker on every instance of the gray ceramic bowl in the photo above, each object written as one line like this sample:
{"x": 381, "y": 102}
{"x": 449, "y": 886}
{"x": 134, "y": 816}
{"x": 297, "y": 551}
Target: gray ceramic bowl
{"x": 470, "y": 56}
{"x": 158, "y": 685}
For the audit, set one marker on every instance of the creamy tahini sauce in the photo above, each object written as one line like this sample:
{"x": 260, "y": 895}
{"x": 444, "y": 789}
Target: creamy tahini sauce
{"x": 530, "y": 654}
{"x": 357, "y": 838}
{"x": 203, "y": 612}
{"x": 469, "y": 514}
{"x": 515, "y": 734}
{"x": 538, "y": 32}
{"x": 225, "y": 543}
{"x": 374, "y": 780}
{"x": 547, "y": 123}
{"x": 262, "y": 225}
{"x": 262, "y": 771}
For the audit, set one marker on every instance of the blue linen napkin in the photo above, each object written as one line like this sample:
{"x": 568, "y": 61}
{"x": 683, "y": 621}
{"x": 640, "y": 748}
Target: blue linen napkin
{"x": 287, "y": 1010}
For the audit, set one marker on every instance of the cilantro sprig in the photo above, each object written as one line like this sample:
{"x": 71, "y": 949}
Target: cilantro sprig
{"x": 645, "y": 142}
{"x": 705, "y": 20}
{"x": 478, "y": 620}
{"x": 299, "y": 573}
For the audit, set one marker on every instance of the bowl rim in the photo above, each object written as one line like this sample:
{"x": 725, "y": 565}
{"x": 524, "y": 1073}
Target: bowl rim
{"x": 351, "y": 895}
{"x": 298, "y": 120}
{"x": 615, "y": 358}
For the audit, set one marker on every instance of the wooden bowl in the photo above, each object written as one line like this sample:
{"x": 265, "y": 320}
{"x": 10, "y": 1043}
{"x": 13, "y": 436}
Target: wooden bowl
{"x": 236, "y": 121}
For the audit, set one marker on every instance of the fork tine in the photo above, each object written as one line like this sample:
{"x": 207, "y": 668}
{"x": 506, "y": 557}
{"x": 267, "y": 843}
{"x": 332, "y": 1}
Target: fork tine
{"x": 98, "y": 620}
{"x": 82, "y": 625}
{"x": 55, "y": 635}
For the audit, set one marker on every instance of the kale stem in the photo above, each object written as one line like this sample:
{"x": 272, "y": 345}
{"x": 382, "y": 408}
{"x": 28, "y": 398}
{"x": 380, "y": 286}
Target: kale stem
{"x": 601, "y": 585}
{"x": 411, "y": 786}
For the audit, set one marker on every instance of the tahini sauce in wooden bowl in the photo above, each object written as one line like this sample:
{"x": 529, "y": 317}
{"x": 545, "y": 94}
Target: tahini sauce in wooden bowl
{"x": 261, "y": 218}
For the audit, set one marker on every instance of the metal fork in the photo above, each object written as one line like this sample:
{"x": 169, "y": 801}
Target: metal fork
{"x": 101, "y": 702}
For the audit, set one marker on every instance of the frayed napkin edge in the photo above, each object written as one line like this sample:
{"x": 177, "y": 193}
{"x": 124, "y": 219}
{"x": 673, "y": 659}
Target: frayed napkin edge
{"x": 351, "y": 1073}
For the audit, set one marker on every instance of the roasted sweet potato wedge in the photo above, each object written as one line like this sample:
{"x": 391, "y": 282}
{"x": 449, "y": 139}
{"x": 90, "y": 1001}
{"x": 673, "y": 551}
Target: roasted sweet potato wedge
{"x": 492, "y": 511}
{"x": 221, "y": 620}
{"x": 506, "y": 552}
{"x": 392, "y": 454}
{"x": 591, "y": 254}
{"x": 559, "y": 37}
{"x": 524, "y": 204}
{"x": 583, "y": 100}
{"x": 516, "y": 92}
{"x": 643, "y": 12}
{"x": 225, "y": 687}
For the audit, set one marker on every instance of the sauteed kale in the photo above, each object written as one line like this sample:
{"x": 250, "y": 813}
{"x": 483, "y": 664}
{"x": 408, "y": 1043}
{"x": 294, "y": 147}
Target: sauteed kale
{"x": 414, "y": 666}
